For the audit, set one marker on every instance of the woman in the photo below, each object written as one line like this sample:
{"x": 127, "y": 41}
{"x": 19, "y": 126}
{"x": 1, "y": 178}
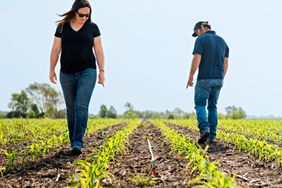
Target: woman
{"x": 75, "y": 39}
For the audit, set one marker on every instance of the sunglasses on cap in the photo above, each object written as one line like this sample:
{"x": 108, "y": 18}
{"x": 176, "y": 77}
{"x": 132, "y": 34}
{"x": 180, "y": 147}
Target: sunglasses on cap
{"x": 82, "y": 15}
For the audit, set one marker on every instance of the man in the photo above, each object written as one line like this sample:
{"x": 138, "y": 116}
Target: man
{"x": 211, "y": 57}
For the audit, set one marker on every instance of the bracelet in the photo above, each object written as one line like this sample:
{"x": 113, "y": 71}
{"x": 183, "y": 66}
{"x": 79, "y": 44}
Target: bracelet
{"x": 101, "y": 70}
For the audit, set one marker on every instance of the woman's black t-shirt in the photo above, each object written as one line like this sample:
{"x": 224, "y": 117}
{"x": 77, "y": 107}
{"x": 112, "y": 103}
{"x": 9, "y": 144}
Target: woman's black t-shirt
{"x": 77, "y": 47}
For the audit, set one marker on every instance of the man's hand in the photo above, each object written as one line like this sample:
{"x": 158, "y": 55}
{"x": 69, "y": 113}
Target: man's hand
{"x": 190, "y": 82}
{"x": 194, "y": 66}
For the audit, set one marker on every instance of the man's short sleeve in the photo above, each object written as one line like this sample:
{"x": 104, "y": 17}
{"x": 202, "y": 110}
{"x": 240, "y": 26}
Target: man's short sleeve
{"x": 198, "y": 48}
{"x": 226, "y": 51}
{"x": 96, "y": 30}
{"x": 58, "y": 32}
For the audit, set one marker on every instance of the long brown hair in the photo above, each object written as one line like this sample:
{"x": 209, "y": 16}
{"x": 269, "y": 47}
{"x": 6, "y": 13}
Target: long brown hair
{"x": 68, "y": 16}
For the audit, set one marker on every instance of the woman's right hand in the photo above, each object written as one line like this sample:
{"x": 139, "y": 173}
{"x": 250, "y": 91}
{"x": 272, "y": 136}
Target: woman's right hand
{"x": 53, "y": 76}
{"x": 55, "y": 53}
{"x": 101, "y": 78}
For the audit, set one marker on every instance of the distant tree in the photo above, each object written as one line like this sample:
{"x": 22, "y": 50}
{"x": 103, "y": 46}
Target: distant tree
{"x": 230, "y": 109}
{"x": 235, "y": 113}
{"x": 159, "y": 115}
{"x": 128, "y": 107}
{"x": 13, "y": 114}
{"x": 51, "y": 111}
{"x": 241, "y": 113}
{"x": 129, "y": 111}
{"x": 19, "y": 104}
{"x": 91, "y": 116}
{"x": 169, "y": 115}
{"x": 3, "y": 115}
{"x": 61, "y": 114}
{"x": 145, "y": 114}
{"x": 33, "y": 111}
{"x": 221, "y": 116}
{"x": 31, "y": 115}
{"x": 111, "y": 113}
{"x": 178, "y": 112}
{"x": 151, "y": 114}
{"x": 130, "y": 115}
{"x": 47, "y": 99}
{"x": 103, "y": 111}
{"x": 191, "y": 115}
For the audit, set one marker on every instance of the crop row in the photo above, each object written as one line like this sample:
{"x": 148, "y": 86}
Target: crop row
{"x": 261, "y": 149}
{"x": 266, "y": 130}
{"x": 207, "y": 173}
{"x": 19, "y": 155}
{"x": 91, "y": 171}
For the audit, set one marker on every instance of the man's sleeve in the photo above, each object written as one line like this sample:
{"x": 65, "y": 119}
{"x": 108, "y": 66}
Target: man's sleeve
{"x": 198, "y": 48}
{"x": 226, "y": 51}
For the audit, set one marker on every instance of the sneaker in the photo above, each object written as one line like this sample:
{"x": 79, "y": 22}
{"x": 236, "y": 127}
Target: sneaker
{"x": 76, "y": 150}
{"x": 204, "y": 137}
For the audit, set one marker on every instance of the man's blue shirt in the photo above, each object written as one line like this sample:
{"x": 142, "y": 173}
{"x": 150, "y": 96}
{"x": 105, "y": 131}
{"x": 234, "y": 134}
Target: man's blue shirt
{"x": 213, "y": 49}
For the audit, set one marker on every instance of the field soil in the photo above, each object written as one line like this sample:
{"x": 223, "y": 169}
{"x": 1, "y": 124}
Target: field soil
{"x": 57, "y": 166}
{"x": 133, "y": 167}
{"x": 249, "y": 171}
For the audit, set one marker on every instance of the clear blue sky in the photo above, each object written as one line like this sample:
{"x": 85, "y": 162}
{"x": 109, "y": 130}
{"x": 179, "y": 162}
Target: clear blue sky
{"x": 148, "y": 47}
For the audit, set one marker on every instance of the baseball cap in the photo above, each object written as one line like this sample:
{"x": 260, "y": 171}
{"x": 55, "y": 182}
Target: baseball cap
{"x": 199, "y": 25}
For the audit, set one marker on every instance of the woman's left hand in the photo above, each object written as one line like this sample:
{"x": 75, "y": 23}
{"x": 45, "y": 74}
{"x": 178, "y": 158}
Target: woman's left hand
{"x": 101, "y": 78}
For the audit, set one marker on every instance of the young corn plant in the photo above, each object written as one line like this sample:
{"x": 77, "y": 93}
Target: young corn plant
{"x": 142, "y": 180}
{"x": 11, "y": 157}
{"x": 2, "y": 170}
{"x": 24, "y": 158}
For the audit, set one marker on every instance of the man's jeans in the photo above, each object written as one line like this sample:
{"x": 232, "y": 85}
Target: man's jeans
{"x": 207, "y": 90}
{"x": 77, "y": 89}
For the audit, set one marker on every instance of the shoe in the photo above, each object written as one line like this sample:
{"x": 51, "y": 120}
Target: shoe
{"x": 204, "y": 137}
{"x": 76, "y": 150}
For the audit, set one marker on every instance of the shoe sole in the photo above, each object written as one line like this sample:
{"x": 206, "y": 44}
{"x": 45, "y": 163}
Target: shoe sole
{"x": 204, "y": 138}
{"x": 76, "y": 151}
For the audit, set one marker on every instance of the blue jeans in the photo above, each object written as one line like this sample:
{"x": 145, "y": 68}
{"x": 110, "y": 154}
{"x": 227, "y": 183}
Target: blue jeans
{"x": 207, "y": 91}
{"x": 78, "y": 89}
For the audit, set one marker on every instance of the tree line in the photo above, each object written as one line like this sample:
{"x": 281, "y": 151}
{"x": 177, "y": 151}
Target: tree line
{"x": 40, "y": 100}
{"x": 232, "y": 112}
{"x": 36, "y": 101}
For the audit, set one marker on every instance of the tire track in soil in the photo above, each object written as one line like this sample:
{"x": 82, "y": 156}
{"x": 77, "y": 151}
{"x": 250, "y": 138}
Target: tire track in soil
{"x": 44, "y": 173}
{"x": 249, "y": 171}
{"x": 136, "y": 161}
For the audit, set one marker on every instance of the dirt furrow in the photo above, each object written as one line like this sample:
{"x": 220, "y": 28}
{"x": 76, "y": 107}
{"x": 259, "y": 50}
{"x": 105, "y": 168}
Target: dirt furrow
{"x": 133, "y": 168}
{"x": 56, "y": 168}
{"x": 248, "y": 170}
